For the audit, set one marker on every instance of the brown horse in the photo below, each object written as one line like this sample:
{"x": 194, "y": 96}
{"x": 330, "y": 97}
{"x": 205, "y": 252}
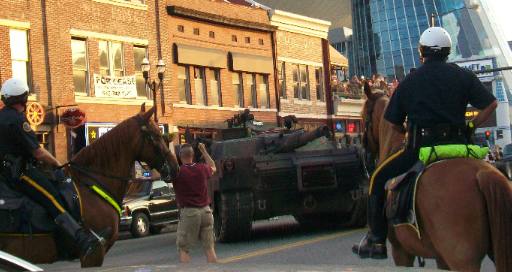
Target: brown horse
{"x": 107, "y": 163}
{"x": 462, "y": 205}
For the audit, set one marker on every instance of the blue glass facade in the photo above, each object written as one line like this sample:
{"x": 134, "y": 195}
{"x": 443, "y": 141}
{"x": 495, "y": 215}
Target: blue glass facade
{"x": 389, "y": 34}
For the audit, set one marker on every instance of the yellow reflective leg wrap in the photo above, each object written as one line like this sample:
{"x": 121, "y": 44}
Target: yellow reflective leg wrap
{"x": 38, "y": 187}
{"x": 379, "y": 168}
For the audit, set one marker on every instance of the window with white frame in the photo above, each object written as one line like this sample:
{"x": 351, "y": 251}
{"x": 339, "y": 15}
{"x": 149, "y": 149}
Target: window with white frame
{"x": 200, "y": 86}
{"x": 263, "y": 92}
{"x": 111, "y": 58}
{"x": 300, "y": 78}
{"x": 80, "y": 65}
{"x": 215, "y": 97}
{"x": 319, "y": 76}
{"x": 184, "y": 84}
{"x": 281, "y": 71}
{"x": 20, "y": 54}
{"x": 250, "y": 80}
{"x": 139, "y": 53}
{"x": 238, "y": 88}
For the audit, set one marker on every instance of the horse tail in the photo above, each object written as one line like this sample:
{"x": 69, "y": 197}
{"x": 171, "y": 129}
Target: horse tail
{"x": 498, "y": 197}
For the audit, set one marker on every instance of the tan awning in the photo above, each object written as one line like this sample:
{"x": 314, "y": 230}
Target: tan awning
{"x": 188, "y": 54}
{"x": 252, "y": 63}
{"x": 337, "y": 58}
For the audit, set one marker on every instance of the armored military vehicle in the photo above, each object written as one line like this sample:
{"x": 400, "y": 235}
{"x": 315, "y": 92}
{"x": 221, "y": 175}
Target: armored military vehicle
{"x": 285, "y": 172}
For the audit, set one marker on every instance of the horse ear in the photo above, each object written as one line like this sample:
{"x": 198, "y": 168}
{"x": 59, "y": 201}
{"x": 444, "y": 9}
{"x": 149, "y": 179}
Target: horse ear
{"x": 147, "y": 115}
{"x": 143, "y": 107}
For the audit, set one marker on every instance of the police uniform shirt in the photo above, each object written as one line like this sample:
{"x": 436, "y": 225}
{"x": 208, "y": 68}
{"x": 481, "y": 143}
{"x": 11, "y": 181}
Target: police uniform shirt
{"x": 16, "y": 136}
{"x": 437, "y": 93}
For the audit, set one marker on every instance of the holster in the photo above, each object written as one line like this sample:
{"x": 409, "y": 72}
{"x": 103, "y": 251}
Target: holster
{"x": 12, "y": 166}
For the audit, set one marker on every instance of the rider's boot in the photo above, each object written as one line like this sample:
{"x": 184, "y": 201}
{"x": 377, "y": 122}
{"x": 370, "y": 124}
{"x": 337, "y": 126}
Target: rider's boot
{"x": 373, "y": 244}
{"x": 88, "y": 242}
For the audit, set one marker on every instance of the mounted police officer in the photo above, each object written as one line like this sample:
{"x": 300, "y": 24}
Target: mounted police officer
{"x": 19, "y": 150}
{"x": 434, "y": 100}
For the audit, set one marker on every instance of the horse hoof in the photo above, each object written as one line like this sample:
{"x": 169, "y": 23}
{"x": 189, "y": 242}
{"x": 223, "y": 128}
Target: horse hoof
{"x": 94, "y": 258}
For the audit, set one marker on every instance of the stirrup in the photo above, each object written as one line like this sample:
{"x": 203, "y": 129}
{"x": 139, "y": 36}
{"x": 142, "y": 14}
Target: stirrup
{"x": 101, "y": 240}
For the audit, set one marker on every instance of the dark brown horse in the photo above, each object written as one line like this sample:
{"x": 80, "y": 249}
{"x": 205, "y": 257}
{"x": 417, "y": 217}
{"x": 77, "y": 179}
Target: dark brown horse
{"x": 462, "y": 205}
{"x": 107, "y": 163}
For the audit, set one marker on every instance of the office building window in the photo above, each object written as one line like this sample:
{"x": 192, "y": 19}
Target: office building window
{"x": 200, "y": 86}
{"x": 20, "y": 55}
{"x": 300, "y": 82}
{"x": 111, "y": 58}
{"x": 238, "y": 88}
{"x": 196, "y": 31}
{"x": 139, "y": 53}
{"x": 181, "y": 28}
{"x": 234, "y": 38}
{"x": 215, "y": 91}
{"x": 281, "y": 71}
{"x": 319, "y": 79}
{"x": 80, "y": 65}
{"x": 263, "y": 92}
{"x": 184, "y": 95}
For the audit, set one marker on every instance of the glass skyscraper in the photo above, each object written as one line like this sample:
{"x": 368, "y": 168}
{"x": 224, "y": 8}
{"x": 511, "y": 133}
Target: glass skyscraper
{"x": 386, "y": 35}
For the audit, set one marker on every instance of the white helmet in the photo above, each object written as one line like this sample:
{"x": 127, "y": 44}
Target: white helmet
{"x": 435, "y": 40}
{"x": 14, "y": 91}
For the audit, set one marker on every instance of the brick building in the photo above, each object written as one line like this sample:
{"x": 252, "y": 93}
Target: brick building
{"x": 222, "y": 63}
{"x": 302, "y": 68}
{"x": 74, "y": 46}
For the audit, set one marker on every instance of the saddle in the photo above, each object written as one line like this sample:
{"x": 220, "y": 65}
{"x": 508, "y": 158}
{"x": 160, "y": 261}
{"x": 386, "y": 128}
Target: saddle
{"x": 21, "y": 215}
{"x": 400, "y": 206}
{"x": 401, "y": 201}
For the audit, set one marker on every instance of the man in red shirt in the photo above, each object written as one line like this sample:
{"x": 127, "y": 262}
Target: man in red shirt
{"x": 196, "y": 218}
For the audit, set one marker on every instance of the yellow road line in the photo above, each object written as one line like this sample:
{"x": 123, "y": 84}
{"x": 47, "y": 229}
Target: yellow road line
{"x": 286, "y": 246}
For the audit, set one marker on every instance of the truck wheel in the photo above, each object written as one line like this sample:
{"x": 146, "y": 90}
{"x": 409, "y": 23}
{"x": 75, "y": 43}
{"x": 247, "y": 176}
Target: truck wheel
{"x": 155, "y": 229}
{"x": 233, "y": 216}
{"x": 140, "y": 225}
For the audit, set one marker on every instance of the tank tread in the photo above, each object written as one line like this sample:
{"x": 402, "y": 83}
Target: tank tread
{"x": 234, "y": 216}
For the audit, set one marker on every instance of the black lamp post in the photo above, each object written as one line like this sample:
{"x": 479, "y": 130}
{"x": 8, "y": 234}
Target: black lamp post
{"x": 153, "y": 85}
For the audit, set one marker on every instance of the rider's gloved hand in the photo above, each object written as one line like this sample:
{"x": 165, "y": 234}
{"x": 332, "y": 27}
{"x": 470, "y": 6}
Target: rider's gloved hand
{"x": 59, "y": 175}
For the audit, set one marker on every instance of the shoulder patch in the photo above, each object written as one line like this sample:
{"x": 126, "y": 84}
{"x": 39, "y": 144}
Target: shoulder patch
{"x": 26, "y": 127}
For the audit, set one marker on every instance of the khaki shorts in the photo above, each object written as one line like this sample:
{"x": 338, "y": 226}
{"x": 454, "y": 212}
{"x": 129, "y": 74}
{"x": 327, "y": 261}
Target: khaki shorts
{"x": 195, "y": 224}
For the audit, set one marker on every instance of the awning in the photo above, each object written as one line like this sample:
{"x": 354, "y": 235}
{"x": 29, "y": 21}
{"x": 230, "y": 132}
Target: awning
{"x": 252, "y": 63}
{"x": 188, "y": 54}
{"x": 337, "y": 58}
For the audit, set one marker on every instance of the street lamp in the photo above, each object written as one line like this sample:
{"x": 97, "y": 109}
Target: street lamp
{"x": 472, "y": 5}
{"x": 153, "y": 85}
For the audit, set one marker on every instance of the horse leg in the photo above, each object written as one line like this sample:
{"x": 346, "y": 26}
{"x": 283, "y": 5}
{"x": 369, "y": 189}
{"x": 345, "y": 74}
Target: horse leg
{"x": 400, "y": 256}
{"x": 441, "y": 264}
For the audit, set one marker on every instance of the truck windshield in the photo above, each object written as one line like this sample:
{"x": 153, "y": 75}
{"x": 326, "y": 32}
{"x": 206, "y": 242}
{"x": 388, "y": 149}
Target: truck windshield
{"x": 138, "y": 188}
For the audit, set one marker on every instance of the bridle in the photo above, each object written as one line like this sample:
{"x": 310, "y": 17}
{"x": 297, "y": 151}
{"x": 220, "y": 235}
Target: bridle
{"x": 96, "y": 176}
{"x": 148, "y": 137}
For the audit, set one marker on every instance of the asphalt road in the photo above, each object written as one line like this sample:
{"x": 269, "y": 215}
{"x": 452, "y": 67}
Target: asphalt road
{"x": 277, "y": 245}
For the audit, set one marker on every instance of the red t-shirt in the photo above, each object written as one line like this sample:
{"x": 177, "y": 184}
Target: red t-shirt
{"x": 191, "y": 185}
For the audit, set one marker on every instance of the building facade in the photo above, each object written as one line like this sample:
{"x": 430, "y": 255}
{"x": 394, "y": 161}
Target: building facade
{"x": 302, "y": 74}
{"x": 69, "y": 52}
{"x": 222, "y": 63}
{"x": 386, "y": 35}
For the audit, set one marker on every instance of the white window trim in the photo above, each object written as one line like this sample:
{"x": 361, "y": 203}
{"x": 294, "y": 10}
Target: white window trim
{"x": 124, "y": 3}
{"x": 111, "y": 60}
{"x": 236, "y": 109}
{"x": 84, "y": 99}
{"x": 107, "y": 37}
{"x": 15, "y": 24}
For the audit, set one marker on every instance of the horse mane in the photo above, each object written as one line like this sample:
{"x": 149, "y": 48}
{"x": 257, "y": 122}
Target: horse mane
{"x": 109, "y": 144}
